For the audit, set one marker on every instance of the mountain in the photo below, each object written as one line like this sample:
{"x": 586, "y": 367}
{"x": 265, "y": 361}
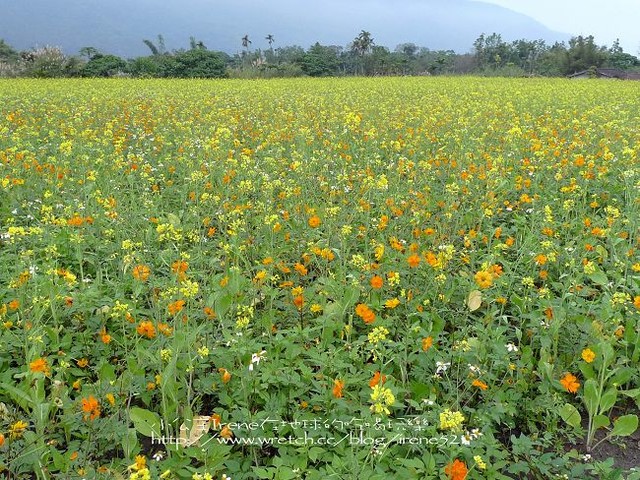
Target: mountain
{"x": 119, "y": 26}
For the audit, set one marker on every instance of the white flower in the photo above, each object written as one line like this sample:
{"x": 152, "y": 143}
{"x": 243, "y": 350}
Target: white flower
{"x": 511, "y": 347}
{"x": 255, "y": 359}
{"x": 442, "y": 367}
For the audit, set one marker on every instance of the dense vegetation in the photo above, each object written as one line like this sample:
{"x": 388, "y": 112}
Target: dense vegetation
{"x": 490, "y": 56}
{"x": 417, "y": 278}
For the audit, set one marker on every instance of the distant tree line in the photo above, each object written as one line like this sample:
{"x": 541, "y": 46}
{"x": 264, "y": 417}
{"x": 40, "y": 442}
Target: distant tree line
{"x": 490, "y": 55}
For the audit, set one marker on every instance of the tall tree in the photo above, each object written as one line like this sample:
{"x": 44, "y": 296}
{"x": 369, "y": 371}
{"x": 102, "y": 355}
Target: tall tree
{"x": 270, "y": 38}
{"x": 7, "y": 52}
{"x": 152, "y": 47}
{"x": 361, "y": 46}
{"x": 196, "y": 44}
{"x": 246, "y": 42}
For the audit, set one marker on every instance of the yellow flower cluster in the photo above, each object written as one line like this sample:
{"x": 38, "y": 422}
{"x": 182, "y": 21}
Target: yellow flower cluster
{"x": 382, "y": 399}
{"x": 451, "y": 420}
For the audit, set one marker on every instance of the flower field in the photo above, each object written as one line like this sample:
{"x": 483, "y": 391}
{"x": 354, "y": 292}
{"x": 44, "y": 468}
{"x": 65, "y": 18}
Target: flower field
{"x": 433, "y": 278}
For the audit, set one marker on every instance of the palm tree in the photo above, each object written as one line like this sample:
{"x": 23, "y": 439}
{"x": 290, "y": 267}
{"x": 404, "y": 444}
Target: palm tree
{"x": 362, "y": 45}
{"x": 269, "y": 38}
{"x": 246, "y": 42}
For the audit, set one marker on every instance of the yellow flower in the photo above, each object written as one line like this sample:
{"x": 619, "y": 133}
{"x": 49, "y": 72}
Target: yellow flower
{"x": 483, "y": 278}
{"x": 377, "y": 335}
{"x": 479, "y": 462}
{"x": 451, "y": 420}
{"x": 382, "y": 399}
{"x": 392, "y": 303}
{"x": 16, "y": 430}
{"x": 588, "y": 355}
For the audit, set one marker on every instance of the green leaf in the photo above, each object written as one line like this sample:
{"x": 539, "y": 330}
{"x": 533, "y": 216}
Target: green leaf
{"x": 608, "y": 400}
{"x": 599, "y": 278}
{"x": 625, "y": 425}
{"x": 591, "y": 396}
{"x": 147, "y": 423}
{"x": 174, "y": 220}
{"x": 607, "y": 353}
{"x": 223, "y": 304}
{"x": 635, "y": 393}
{"x": 622, "y": 376}
{"x": 315, "y": 453}
{"x": 571, "y": 415}
{"x": 600, "y": 421}
{"x": 21, "y": 398}
{"x": 107, "y": 373}
{"x": 130, "y": 443}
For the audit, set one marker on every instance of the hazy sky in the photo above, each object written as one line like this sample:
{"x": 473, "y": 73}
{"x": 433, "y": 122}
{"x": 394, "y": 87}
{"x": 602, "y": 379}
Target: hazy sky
{"x": 605, "y": 19}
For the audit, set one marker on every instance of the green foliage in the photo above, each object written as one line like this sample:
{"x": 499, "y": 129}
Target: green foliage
{"x": 103, "y": 66}
{"x": 197, "y": 63}
{"x": 7, "y": 52}
{"x": 582, "y": 54}
{"x": 320, "y": 61}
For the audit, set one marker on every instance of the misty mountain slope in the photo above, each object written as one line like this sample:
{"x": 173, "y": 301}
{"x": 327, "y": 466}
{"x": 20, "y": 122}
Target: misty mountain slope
{"x": 119, "y": 26}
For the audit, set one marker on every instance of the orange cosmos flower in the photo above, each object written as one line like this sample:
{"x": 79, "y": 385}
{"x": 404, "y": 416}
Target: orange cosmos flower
{"x": 570, "y": 383}
{"x": 141, "y": 272}
{"x": 165, "y": 329}
{"x": 427, "y": 343}
{"x": 40, "y": 365}
{"x": 91, "y": 407}
{"x": 298, "y": 301}
{"x": 14, "y": 304}
{"x": 209, "y": 312}
{"x": 301, "y": 269}
{"x": 338, "y": 385}
{"x": 480, "y": 384}
{"x": 364, "y": 312}
{"x": 541, "y": 259}
{"x": 456, "y": 470}
{"x": 377, "y": 282}
{"x": 75, "y": 221}
{"x": 496, "y": 270}
{"x": 104, "y": 336}
{"x": 636, "y": 301}
{"x": 179, "y": 267}
{"x": 146, "y": 329}
{"x": 314, "y": 222}
{"x": 176, "y": 306}
{"x": 378, "y": 379}
{"x": 225, "y": 375}
{"x": 413, "y": 260}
